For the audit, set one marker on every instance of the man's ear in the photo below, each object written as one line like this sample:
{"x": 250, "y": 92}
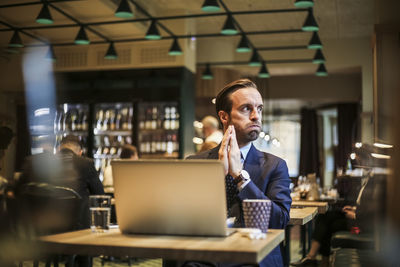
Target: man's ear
{"x": 223, "y": 117}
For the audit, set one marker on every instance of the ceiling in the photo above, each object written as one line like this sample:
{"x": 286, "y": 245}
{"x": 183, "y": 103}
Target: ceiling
{"x": 337, "y": 19}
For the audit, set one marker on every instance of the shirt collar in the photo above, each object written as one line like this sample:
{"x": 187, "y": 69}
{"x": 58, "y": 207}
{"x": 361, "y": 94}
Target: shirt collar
{"x": 245, "y": 150}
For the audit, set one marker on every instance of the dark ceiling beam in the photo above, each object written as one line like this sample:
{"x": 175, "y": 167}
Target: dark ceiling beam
{"x": 158, "y": 19}
{"x": 239, "y": 27}
{"x": 78, "y": 22}
{"x": 274, "y": 61}
{"x": 188, "y": 36}
{"x": 35, "y": 3}
{"x": 150, "y": 17}
{"x": 290, "y": 47}
{"x": 24, "y": 32}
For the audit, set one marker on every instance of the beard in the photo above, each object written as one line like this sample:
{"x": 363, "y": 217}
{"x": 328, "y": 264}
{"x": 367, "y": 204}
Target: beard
{"x": 246, "y": 137}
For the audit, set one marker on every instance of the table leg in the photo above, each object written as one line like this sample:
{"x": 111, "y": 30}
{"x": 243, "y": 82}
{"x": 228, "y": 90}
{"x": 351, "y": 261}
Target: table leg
{"x": 310, "y": 230}
{"x": 286, "y": 256}
{"x": 303, "y": 240}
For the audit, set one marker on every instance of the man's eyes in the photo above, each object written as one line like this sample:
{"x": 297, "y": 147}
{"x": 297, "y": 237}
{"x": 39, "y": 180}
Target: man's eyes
{"x": 248, "y": 108}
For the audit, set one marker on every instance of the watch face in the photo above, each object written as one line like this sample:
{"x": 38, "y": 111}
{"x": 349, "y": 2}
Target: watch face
{"x": 245, "y": 174}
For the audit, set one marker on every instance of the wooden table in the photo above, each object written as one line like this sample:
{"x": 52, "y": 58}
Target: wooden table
{"x": 322, "y": 206}
{"x": 234, "y": 248}
{"x": 298, "y": 216}
{"x": 301, "y": 216}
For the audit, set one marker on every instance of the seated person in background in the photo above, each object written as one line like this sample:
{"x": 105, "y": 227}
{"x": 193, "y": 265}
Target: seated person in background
{"x": 213, "y": 136}
{"x": 333, "y": 221}
{"x": 127, "y": 152}
{"x": 68, "y": 169}
{"x": 250, "y": 173}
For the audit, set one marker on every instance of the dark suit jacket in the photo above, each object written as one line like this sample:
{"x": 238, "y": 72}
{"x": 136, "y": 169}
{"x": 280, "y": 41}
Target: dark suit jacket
{"x": 269, "y": 180}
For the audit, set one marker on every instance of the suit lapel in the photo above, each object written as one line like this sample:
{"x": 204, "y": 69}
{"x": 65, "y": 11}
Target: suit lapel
{"x": 254, "y": 166}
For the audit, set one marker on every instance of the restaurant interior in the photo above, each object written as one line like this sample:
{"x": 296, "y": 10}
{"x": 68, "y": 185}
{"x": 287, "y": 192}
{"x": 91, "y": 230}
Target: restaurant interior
{"x": 146, "y": 73}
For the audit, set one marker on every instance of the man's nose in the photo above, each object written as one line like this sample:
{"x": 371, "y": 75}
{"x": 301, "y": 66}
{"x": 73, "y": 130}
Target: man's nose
{"x": 255, "y": 115}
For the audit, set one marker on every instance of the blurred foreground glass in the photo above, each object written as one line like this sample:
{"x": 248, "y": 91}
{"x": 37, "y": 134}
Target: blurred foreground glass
{"x": 256, "y": 213}
{"x": 100, "y": 211}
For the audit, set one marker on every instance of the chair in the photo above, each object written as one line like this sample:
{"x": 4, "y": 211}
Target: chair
{"x": 45, "y": 209}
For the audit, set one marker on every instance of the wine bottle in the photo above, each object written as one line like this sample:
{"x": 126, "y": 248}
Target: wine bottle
{"x": 124, "y": 112}
{"x": 118, "y": 122}
{"x": 73, "y": 120}
{"x": 67, "y": 121}
{"x": 84, "y": 123}
{"x": 130, "y": 117}
{"x": 112, "y": 120}
{"x": 99, "y": 117}
{"x": 154, "y": 115}
{"x": 167, "y": 117}
{"x": 106, "y": 120}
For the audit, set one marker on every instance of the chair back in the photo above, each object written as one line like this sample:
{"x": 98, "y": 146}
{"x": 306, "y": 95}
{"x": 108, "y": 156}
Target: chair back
{"x": 48, "y": 209}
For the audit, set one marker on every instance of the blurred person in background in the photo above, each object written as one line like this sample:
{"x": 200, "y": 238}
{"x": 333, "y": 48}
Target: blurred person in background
{"x": 127, "y": 152}
{"x": 67, "y": 168}
{"x": 213, "y": 135}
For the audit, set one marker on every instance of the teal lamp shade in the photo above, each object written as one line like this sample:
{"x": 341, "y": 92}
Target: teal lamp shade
{"x": 304, "y": 3}
{"x": 263, "y": 73}
{"x": 175, "y": 49}
{"x": 81, "y": 38}
{"x": 255, "y": 60}
{"x": 124, "y": 11}
{"x": 44, "y": 16}
{"x": 315, "y": 42}
{"x": 15, "y": 40}
{"x": 207, "y": 74}
{"x": 319, "y": 57}
{"x": 321, "y": 71}
{"x": 229, "y": 27}
{"x": 210, "y": 6}
{"x": 243, "y": 46}
{"x": 310, "y": 24}
{"x": 111, "y": 52}
{"x": 50, "y": 54}
{"x": 152, "y": 32}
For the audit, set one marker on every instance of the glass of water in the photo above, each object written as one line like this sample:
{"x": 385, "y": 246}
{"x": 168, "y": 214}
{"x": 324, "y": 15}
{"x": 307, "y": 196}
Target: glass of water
{"x": 100, "y": 211}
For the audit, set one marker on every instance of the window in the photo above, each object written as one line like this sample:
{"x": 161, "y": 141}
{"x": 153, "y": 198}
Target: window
{"x": 282, "y": 139}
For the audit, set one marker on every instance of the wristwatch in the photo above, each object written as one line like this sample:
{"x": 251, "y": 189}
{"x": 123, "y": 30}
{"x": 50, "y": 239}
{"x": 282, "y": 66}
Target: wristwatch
{"x": 242, "y": 177}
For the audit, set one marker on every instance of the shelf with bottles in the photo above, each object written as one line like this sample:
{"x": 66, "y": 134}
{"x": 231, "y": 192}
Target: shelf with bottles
{"x": 112, "y": 117}
{"x": 72, "y": 119}
{"x": 158, "y": 116}
{"x": 112, "y": 128}
{"x": 158, "y": 135}
{"x": 162, "y": 145}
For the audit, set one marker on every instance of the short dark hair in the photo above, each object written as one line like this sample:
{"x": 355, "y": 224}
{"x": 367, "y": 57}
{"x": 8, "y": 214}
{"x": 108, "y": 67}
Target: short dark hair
{"x": 71, "y": 139}
{"x": 128, "y": 151}
{"x": 223, "y": 100}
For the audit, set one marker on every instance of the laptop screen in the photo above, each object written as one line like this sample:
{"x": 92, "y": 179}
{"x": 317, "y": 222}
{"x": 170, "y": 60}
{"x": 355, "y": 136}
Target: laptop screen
{"x": 178, "y": 197}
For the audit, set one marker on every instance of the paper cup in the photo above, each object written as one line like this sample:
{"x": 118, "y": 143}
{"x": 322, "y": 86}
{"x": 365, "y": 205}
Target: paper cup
{"x": 256, "y": 213}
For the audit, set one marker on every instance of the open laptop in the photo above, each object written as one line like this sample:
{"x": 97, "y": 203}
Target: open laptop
{"x": 173, "y": 197}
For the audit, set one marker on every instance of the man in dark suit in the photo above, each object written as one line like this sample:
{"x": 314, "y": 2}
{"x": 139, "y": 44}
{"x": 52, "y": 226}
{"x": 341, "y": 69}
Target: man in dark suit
{"x": 66, "y": 169}
{"x": 255, "y": 174}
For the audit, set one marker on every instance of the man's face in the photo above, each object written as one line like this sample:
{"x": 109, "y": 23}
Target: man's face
{"x": 247, "y": 105}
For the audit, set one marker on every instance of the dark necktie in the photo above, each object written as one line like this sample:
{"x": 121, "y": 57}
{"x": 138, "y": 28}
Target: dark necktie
{"x": 233, "y": 202}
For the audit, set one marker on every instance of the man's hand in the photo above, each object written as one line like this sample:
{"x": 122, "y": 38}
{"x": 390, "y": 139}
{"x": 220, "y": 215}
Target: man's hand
{"x": 350, "y": 212}
{"x": 229, "y": 153}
